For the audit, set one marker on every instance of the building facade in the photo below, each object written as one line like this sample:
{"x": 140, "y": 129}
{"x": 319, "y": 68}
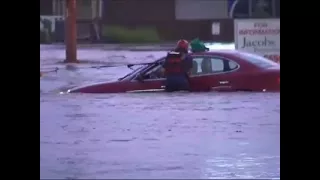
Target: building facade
{"x": 173, "y": 19}
{"x": 55, "y": 11}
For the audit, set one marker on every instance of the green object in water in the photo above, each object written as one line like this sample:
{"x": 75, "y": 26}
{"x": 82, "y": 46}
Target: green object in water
{"x": 198, "y": 46}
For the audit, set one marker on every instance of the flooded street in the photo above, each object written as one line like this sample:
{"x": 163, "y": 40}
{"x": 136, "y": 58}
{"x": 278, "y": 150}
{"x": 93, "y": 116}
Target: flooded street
{"x": 150, "y": 135}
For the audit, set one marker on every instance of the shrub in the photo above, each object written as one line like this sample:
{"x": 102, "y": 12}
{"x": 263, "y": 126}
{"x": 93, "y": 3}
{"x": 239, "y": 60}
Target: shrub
{"x": 45, "y": 36}
{"x": 124, "y": 35}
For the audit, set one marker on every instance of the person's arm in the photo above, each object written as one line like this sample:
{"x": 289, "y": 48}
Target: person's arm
{"x": 165, "y": 64}
{"x": 188, "y": 64}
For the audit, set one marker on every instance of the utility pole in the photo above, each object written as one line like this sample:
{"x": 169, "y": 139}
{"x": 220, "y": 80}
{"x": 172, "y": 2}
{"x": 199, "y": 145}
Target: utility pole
{"x": 71, "y": 32}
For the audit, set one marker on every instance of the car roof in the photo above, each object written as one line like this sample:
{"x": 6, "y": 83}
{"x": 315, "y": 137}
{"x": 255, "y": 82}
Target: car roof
{"x": 218, "y": 52}
{"x": 213, "y": 52}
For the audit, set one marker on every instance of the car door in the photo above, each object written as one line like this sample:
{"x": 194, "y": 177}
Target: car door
{"x": 154, "y": 84}
{"x": 201, "y": 79}
{"x": 225, "y": 74}
{"x": 212, "y": 73}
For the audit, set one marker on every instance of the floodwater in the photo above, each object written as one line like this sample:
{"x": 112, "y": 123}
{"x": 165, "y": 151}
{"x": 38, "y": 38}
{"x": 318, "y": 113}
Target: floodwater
{"x": 151, "y": 135}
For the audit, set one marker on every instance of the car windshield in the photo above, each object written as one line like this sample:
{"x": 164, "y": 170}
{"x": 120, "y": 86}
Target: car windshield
{"x": 132, "y": 72}
{"x": 257, "y": 60}
{"x": 140, "y": 67}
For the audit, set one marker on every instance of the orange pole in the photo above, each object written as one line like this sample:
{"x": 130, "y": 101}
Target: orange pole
{"x": 71, "y": 32}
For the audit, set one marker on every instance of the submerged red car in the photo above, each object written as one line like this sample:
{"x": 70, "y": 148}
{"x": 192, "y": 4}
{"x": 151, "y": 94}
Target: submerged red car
{"x": 223, "y": 70}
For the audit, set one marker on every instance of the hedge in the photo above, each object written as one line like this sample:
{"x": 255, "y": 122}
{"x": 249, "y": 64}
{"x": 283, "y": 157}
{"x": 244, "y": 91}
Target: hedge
{"x": 45, "y": 37}
{"x": 120, "y": 34}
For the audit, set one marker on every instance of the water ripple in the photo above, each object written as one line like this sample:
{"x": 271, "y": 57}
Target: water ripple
{"x": 155, "y": 135}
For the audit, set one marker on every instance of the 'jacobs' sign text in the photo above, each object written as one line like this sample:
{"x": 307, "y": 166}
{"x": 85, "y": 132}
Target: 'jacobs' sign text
{"x": 260, "y": 36}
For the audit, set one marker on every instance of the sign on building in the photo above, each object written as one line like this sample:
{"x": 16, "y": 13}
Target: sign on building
{"x": 259, "y": 36}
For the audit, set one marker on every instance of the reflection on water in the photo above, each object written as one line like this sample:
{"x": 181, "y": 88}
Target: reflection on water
{"x": 182, "y": 135}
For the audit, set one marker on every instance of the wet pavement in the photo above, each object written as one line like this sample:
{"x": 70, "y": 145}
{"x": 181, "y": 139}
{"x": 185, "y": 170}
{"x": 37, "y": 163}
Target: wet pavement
{"x": 151, "y": 135}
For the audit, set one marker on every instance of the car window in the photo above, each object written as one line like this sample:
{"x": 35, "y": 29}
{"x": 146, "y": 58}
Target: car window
{"x": 233, "y": 65}
{"x": 257, "y": 60}
{"x": 153, "y": 70}
{"x": 207, "y": 65}
{"x": 153, "y": 73}
{"x": 132, "y": 72}
{"x": 196, "y": 68}
{"x": 217, "y": 65}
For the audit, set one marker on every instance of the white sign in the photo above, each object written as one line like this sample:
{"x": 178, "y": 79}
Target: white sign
{"x": 259, "y": 36}
{"x": 215, "y": 28}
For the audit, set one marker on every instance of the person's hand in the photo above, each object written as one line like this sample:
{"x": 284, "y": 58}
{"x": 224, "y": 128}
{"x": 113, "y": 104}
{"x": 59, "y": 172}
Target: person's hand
{"x": 140, "y": 78}
{"x": 162, "y": 71}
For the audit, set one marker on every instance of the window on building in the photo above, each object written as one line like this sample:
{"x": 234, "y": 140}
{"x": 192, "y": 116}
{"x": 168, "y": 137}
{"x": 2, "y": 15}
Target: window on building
{"x": 84, "y": 9}
{"x": 277, "y": 6}
{"x": 46, "y": 7}
{"x": 261, "y": 8}
{"x": 239, "y": 8}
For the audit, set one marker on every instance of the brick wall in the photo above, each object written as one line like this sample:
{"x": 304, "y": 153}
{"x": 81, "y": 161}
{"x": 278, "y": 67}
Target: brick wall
{"x": 46, "y": 7}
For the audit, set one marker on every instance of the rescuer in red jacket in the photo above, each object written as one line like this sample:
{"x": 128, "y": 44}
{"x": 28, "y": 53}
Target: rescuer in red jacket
{"x": 177, "y": 67}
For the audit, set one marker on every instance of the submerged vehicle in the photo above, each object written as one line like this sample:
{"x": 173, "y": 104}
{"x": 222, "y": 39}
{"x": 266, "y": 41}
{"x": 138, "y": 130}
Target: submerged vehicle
{"x": 219, "y": 70}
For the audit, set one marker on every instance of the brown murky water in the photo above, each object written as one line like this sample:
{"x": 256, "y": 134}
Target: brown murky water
{"x": 152, "y": 135}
